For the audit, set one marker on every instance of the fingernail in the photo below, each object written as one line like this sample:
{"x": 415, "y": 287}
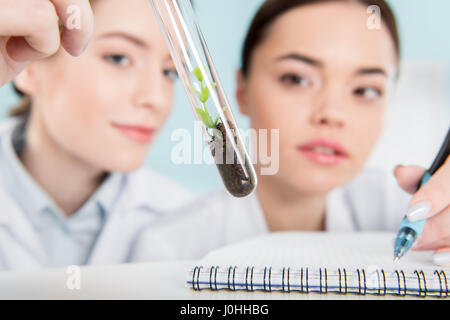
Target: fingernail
{"x": 419, "y": 211}
{"x": 84, "y": 48}
{"x": 80, "y": 51}
{"x": 441, "y": 258}
{"x": 416, "y": 244}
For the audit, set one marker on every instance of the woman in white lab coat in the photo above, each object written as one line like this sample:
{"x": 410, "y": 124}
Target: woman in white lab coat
{"x": 315, "y": 71}
{"x": 72, "y": 190}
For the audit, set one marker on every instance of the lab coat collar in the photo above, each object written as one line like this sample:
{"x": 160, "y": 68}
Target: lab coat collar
{"x": 108, "y": 192}
{"x": 19, "y": 227}
{"x": 17, "y": 176}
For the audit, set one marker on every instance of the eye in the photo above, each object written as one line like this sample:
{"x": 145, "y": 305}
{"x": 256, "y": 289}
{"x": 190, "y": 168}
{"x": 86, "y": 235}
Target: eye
{"x": 368, "y": 93}
{"x": 118, "y": 59}
{"x": 171, "y": 74}
{"x": 295, "y": 80}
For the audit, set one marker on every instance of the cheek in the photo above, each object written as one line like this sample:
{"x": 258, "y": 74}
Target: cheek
{"x": 166, "y": 108}
{"x": 79, "y": 121}
{"x": 82, "y": 103}
{"x": 285, "y": 113}
{"x": 365, "y": 131}
{"x": 77, "y": 96}
{"x": 270, "y": 109}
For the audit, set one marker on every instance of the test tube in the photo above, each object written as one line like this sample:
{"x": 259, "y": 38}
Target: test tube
{"x": 206, "y": 94}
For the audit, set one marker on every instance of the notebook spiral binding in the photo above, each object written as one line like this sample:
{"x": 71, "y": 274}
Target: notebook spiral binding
{"x": 213, "y": 279}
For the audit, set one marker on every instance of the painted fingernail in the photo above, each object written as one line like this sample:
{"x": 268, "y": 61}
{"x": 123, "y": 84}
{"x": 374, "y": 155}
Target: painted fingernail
{"x": 441, "y": 258}
{"x": 416, "y": 244}
{"x": 419, "y": 211}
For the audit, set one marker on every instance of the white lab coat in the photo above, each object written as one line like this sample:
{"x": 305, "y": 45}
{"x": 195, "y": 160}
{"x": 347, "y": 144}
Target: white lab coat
{"x": 371, "y": 202}
{"x": 146, "y": 197}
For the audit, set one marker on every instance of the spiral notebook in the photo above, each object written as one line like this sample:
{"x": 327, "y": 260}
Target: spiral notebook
{"x": 326, "y": 263}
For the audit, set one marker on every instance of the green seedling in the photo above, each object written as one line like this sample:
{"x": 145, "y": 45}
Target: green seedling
{"x": 203, "y": 95}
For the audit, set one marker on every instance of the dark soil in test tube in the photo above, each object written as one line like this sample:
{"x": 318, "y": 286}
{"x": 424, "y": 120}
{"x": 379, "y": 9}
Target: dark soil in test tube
{"x": 233, "y": 174}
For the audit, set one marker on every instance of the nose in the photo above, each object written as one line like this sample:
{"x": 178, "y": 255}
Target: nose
{"x": 152, "y": 91}
{"x": 329, "y": 110}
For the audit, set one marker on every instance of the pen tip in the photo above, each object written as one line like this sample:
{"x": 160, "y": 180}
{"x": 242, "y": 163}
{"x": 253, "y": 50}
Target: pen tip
{"x": 396, "y": 259}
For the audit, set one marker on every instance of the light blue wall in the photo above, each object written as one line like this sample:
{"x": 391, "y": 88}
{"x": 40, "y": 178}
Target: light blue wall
{"x": 424, "y": 28}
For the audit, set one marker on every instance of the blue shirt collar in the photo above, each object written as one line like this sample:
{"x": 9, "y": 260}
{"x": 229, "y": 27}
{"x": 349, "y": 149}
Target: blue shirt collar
{"x": 32, "y": 198}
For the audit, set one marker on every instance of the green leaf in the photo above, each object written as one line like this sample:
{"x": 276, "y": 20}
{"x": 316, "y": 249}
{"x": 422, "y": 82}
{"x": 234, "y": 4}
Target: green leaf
{"x": 204, "y": 94}
{"x": 204, "y": 116}
{"x": 216, "y": 121}
{"x": 198, "y": 93}
{"x": 206, "y": 111}
{"x": 198, "y": 74}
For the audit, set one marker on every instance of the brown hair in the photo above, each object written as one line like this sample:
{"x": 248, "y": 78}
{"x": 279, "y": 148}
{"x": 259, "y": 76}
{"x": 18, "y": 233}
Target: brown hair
{"x": 272, "y": 9}
{"x": 23, "y": 108}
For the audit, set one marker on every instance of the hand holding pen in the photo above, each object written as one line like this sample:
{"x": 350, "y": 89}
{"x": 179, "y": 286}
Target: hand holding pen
{"x": 427, "y": 220}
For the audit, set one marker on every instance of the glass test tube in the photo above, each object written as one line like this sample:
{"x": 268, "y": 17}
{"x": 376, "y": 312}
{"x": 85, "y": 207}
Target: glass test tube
{"x": 206, "y": 94}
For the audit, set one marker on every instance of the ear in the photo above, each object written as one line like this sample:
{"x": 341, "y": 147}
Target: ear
{"x": 26, "y": 80}
{"x": 241, "y": 93}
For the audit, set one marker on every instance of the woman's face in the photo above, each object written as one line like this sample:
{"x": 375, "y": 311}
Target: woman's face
{"x": 106, "y": 106}
{"x": 320, "y": 76}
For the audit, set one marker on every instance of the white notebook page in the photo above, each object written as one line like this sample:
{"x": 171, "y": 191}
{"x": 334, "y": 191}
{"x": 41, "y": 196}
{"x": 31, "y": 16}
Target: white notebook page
{"x": 331, "y": 251}
{"x": 312, "y": 249}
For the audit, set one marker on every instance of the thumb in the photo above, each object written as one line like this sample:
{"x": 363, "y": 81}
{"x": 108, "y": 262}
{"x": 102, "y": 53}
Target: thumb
{"x": 433, "y": 197}
{"x": 19, "y": 50}
{"x": 408, "y": 177}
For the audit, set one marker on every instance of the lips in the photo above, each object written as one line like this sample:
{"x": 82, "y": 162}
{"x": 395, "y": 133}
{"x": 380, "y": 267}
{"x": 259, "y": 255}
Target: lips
{"x": 137, "y": 133}
{"x": 324, "y": 152}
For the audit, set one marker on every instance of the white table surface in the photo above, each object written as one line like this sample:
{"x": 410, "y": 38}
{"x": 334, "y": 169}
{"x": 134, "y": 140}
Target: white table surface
{"x": 164, "y": 280}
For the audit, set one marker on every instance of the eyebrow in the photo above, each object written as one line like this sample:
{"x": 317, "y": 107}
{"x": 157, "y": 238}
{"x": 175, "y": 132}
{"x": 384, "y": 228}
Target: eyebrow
{"x": 316, "y": 63}
{"x": 125, "y": 36}
{"x": 302, "y": 58}
{"x": 369, "y": 71}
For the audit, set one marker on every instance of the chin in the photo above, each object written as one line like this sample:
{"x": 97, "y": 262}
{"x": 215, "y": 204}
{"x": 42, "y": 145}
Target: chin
{"x": 316, "y": 182}
{"x": 124, "y": 164}
{"x": 128, "y": 168}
